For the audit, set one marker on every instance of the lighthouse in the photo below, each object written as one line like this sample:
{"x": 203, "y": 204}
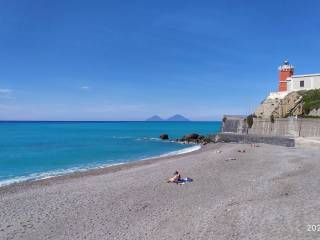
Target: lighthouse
{"x": 285, "y": 71}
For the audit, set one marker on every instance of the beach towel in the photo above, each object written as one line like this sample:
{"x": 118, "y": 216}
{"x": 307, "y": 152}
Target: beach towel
{"x": 185, "y": 180}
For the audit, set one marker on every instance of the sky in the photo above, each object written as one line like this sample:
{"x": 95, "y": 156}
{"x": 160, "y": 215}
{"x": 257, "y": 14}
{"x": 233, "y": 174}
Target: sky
{"x": 128, "y": 60}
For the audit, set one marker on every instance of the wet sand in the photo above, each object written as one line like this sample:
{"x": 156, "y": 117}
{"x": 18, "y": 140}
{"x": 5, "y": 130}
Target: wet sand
{"x": 268, "y": 192}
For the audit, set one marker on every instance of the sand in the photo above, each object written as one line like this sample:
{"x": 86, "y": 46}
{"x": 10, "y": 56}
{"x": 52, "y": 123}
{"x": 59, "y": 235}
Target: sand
{"x": 268, "y": 192}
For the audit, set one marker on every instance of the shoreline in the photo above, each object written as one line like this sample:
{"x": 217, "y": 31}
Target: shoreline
{"x": 103, "y": 169}
{"x": 266, "y": 192}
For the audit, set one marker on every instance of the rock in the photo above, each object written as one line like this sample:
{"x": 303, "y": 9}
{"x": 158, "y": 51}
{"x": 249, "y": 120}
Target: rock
{"x": 196, "y": 138}
{"x": 314, "y": 113}
{"x": 267, "y": 107}
{"x": 291, "y": 105}
{"x": 281, "y": 106}
{"x": 164, "y": 136}
{"x": 192, "y": 136}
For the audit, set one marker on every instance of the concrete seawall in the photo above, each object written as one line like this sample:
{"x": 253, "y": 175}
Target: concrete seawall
{"x": 234, "y": 124}
{"x": 250, "y": 138}
{"x": 290, "y": 127}
{"x": 285, "y": 127}
{"x": 236, "y": 129}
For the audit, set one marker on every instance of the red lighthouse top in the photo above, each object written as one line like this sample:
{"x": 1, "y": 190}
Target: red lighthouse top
{"x": 285, "y": 71}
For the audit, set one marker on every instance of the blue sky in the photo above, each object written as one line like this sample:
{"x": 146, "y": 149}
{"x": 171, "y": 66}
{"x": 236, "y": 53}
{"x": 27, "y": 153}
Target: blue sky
{"x": 127, "y": 60}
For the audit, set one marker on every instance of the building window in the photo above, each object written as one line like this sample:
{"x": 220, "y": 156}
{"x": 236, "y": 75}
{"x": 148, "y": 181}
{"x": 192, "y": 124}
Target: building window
{"x": 301, "y": 83}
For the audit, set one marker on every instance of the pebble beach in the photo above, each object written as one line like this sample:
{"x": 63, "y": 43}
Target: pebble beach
{"x": 259, "y": 192}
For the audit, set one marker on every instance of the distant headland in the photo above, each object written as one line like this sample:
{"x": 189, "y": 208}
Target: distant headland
{"x": 291, "y": 113}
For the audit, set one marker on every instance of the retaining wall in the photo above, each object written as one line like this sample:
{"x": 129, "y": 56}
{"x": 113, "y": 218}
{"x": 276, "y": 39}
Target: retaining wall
{"x": 234, "y": 124}
{"x": 290, "y": 127}
{"x": 252, "y": 138}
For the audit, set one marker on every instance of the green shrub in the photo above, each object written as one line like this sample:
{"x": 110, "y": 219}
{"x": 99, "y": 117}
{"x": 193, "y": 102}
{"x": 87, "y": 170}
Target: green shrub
{"x": 249, "y": 120}
{"x": 313, "y": 104}
{"x": 311, "y": 100}
{"x": 272, "y": 118}
{"x": 224, "y": 119}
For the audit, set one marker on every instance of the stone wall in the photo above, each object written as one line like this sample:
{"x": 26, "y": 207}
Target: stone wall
{"x": 252, "y": 138}
{"x": 310, "y": 128}
{"x": 234, "y": 124}
{"x": 290, "y": 127}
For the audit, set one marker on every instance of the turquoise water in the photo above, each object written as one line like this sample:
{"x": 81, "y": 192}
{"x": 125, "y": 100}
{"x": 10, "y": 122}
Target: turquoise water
{"x": 33, "y": 150}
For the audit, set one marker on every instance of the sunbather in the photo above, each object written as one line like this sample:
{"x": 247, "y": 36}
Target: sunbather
{"x": 176, "y": 178}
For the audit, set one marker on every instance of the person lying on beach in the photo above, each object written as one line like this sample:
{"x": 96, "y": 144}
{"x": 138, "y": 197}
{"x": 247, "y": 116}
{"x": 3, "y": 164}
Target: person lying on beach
{"x": 176, "y": 178}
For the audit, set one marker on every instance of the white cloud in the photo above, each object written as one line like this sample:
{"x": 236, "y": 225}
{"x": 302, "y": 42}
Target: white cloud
{"x": 84, "y": 87}
{"x": 4, "y": 107}
{"x": 4, "y": 91}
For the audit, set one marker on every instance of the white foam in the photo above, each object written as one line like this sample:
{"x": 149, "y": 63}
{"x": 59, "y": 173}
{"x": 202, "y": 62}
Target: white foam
{"x": 148, "y": 139}
{"x": 182, "y": 151}
{"x": 178, "y": 152}
{"x": 50, "y": 174}
{"x": 122, "y": 137}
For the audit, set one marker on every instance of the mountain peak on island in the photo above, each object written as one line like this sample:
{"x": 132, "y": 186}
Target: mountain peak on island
{"x": 174, "y": 118}
{"x": 154, "y": 118}
{"x": 178, "y": 118}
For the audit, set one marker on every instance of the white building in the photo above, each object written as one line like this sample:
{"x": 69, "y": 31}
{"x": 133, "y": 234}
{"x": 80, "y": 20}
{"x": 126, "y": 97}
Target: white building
{"x": 303, "y": 82}
{"x": 288, "y": 82}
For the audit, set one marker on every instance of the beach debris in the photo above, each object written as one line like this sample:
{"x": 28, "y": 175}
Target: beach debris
{"x": 242, "y": 151}
{"x": 235, "y": 203}
{"x": 231, "y": 159}
{"x": 284, "y": 194}
{"x": 218, "y": 151}
{"x": 164, "y": 136}
{"x": 255, "y": 145}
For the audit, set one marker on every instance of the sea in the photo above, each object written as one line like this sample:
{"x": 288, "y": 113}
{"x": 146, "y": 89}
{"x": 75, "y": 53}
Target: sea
{"x": 38, "y": 150}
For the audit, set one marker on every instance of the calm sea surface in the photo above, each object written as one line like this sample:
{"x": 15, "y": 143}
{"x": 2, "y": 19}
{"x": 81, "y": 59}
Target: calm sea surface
{"x": 33, "y": 150}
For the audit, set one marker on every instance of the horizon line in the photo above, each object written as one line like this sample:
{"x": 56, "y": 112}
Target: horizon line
{"x": 2, "y": 121}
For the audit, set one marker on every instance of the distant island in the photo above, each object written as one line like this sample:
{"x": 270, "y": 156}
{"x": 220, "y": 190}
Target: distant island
{"x": 154, "y": 118}
{"x": 174, "y": 118}
{"x": 178, "y": 118}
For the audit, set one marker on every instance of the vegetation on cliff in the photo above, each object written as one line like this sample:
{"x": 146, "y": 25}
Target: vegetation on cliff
{"x": 249, "y": 120}
{"x": 303, "y": 104}
{"x": 311, "y": 100}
